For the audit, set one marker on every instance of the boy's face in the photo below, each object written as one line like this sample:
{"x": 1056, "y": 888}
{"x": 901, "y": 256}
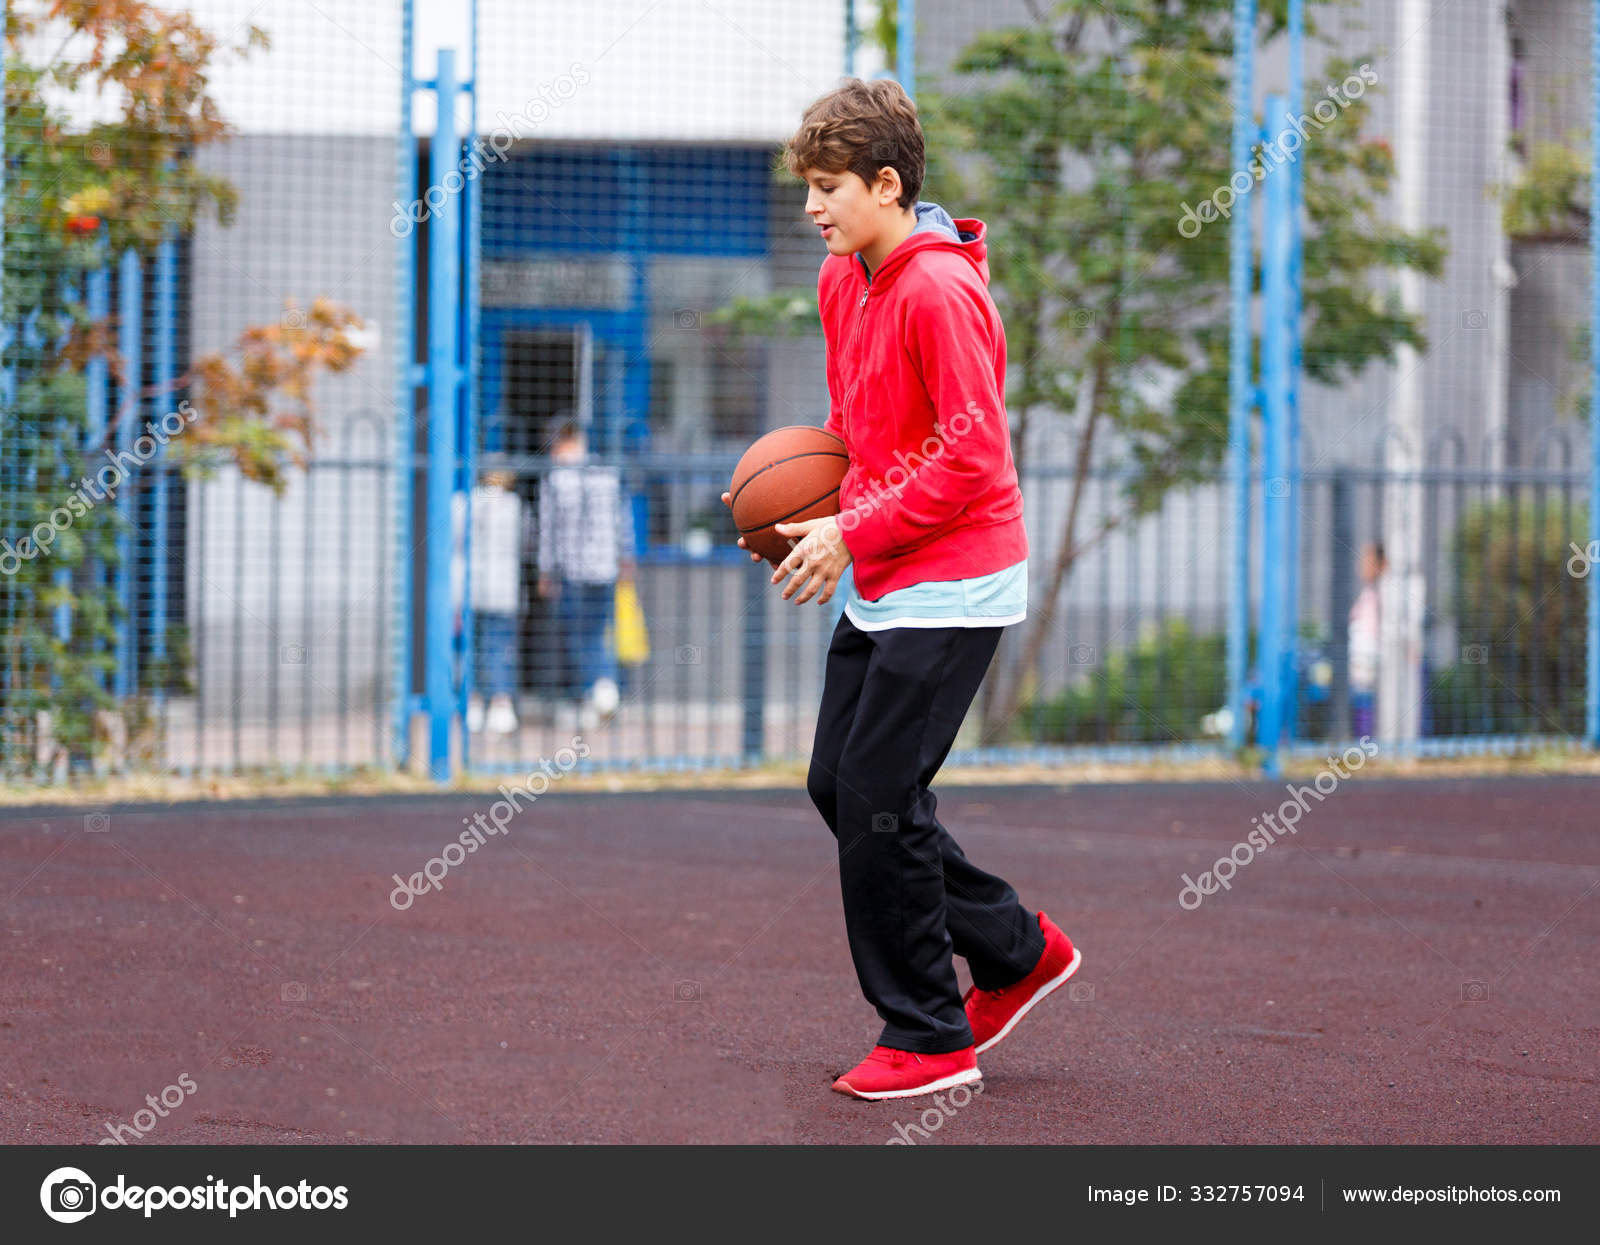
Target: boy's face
{"x": 846, "y": 210}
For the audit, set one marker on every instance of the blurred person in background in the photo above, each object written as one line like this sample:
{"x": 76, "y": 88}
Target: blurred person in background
{"x": 499, "y": 528}
{"x": 1363, "y": 642}
{"x": 585, "y": 546}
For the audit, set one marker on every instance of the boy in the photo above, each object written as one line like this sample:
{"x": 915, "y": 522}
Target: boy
{"x": 931, "y": 522}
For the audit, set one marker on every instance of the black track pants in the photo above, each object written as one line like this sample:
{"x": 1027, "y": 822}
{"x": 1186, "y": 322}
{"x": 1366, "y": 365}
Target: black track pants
{"x": 892, "y": 702}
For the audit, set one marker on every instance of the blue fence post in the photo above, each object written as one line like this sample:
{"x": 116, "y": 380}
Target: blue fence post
{"x": 444, "y": 289}
{"x": 97, "y": 391}
{"x": 467, "y": 378}
{"x": 166, "y": 371}
{"x": 62, "y": 577}
{"x": 1275, "y": 653}
{"x": 1291, "y": 394}
{"x": 1341, "y": 578}
{"x": 851, "y": 40}
{"x": 906, "y": 46}
{"x": 1241, "y": 386}
{"x": 130, "y": 304}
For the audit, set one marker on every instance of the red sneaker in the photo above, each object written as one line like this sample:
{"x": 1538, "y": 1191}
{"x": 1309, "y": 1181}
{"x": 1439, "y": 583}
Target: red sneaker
{"x": 890, "y": 1073}
{"x": 994, "y": 1013}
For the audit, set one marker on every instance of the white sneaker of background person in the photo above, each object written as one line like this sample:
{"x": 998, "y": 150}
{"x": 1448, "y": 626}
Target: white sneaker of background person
{"x": 502, "y": 719}
{"x": 605, "y": 697}
{"x": 474, "y": 713}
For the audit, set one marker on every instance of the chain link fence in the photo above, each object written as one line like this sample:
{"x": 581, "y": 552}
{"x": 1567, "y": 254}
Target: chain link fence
{"x": 309, "y": 380}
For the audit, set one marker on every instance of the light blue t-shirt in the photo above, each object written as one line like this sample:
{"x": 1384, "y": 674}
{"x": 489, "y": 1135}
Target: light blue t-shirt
{"x": 995, "y": 600}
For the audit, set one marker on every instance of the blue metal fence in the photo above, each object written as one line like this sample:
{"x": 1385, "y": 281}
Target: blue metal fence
{"x": 575, "y": 263}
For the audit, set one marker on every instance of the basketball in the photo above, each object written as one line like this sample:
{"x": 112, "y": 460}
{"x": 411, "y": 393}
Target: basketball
{"x": 791, "y": 474}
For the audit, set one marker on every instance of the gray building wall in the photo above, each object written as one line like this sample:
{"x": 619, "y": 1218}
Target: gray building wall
{"x": 1551, "y": 301}
{"x": 289, "y": 598}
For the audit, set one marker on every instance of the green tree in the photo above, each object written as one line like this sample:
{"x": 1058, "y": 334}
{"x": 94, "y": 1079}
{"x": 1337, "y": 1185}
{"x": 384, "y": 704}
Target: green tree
{"x": 1520, "y": 601}
{"x": 1547, "y": 202}
{"x": 77, "y": 198}
{"x": 1155, "y": 690}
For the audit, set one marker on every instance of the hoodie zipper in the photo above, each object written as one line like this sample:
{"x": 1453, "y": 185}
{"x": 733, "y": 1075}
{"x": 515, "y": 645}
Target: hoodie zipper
{"x": 855, "y": 338}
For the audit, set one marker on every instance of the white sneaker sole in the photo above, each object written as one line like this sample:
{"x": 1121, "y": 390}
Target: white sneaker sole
{"x": 1054, "y": 983}
{"x": 933, "y": 1087}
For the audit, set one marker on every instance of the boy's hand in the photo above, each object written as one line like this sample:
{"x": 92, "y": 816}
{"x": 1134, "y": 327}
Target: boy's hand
{"x": 816, "y": 562}
{"x": 727, "y": 500}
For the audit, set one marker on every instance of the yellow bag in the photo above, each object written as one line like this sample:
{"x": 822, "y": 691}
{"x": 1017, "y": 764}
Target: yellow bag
{"x": 632, "y": 637}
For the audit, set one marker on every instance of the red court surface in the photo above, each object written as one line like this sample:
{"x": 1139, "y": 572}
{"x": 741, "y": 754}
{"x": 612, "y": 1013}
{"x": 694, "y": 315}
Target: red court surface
{"x": 1416, "y": 964}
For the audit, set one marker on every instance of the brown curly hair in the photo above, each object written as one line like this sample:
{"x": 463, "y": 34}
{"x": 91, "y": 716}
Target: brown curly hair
{"x": 858, "y": 128}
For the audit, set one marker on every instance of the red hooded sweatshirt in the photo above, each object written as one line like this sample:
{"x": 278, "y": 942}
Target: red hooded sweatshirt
{"x": 916, "y": 361}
